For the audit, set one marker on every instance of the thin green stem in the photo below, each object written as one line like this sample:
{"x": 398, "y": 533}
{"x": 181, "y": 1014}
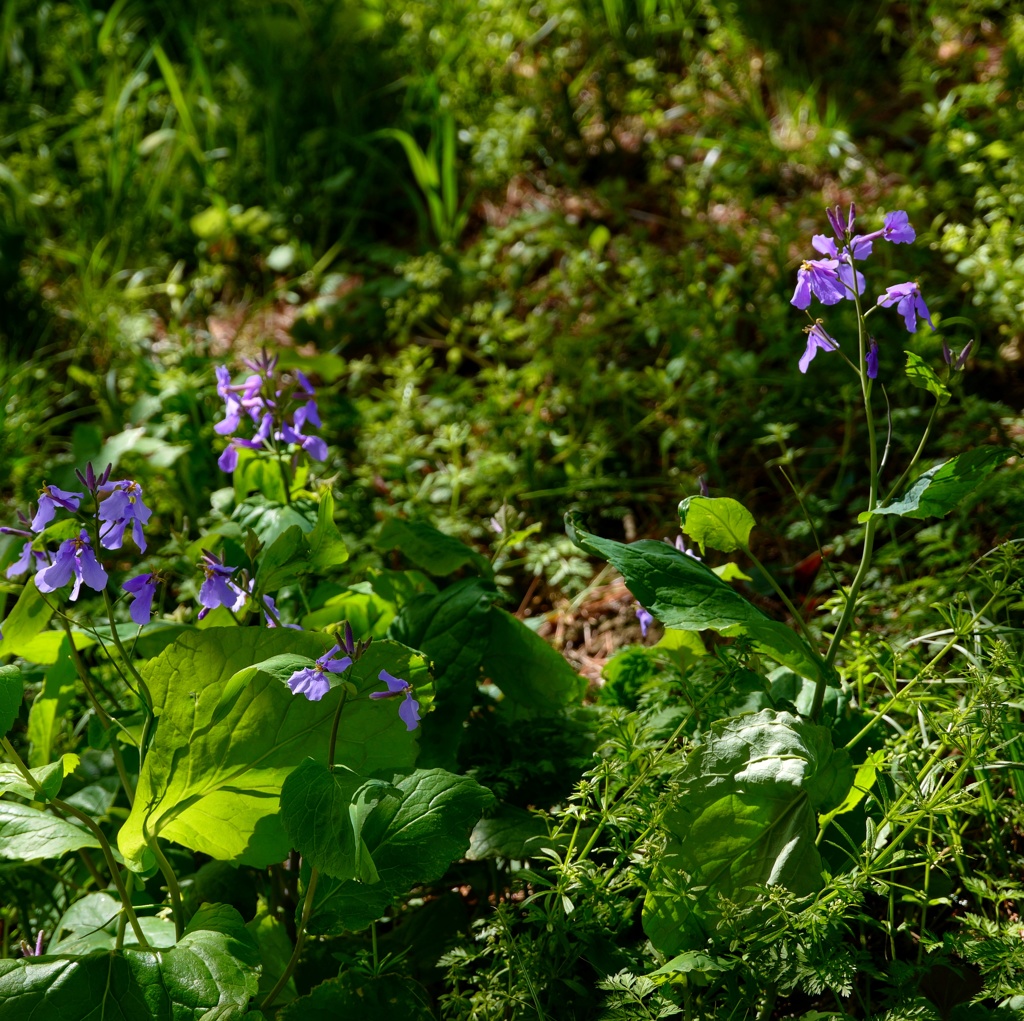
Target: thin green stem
{"x": 300, "y": 939}
{"x": 794, "y": 612}
{"x": 173, "y": 889}
{"x": 144, "y": 694}
{"x": 917, "y": 454}
{"x": 332, "y": 744}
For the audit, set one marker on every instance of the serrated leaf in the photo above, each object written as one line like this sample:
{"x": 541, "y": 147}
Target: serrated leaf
{"x": 940, "y": 489}
{"x": 683, "y": 593}
{"x": 720, "y": 522}
{"x": 214, "y": 785}
{"x": 923, "y": 377}
{"x": 413, "y": 839}
{"x": 744, "y": 816}
{"x": 214, "y": 965}
{"x": 324, "y": 812}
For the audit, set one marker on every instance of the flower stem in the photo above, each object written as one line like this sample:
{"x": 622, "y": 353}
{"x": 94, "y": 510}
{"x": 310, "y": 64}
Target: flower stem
{"x": 153, "y": 843}
{"x": 300, "y": 938}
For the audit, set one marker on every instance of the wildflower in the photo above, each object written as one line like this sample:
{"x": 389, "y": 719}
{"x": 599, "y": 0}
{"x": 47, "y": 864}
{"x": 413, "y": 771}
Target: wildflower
{"x": 897, "y": 228}
{"x": 25, "y": 561}
{"x": 141, "y": 587}
{"x": 123, "y": 506}
{"x": 909, "y": 303}
{"x": 75, "y": 558}
{"x": 312, "y": 681}
{"x": 817, "y": 340}
{"x": 50, "y": 498}
{"x": 872, "y": 359}
{"x": 680, "y": 544}
{"x": 218, "y": 589}
{"x": 646, "y": 620}
{"x": 409, "y": 710}
{"x": 820, "y": 278}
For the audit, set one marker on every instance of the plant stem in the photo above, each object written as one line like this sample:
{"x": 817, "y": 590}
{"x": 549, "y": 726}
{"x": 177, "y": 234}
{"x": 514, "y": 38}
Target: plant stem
{"x": 172, "y": 885}
{"x": 332, "y": 744}
{"x": 300, "y": 938}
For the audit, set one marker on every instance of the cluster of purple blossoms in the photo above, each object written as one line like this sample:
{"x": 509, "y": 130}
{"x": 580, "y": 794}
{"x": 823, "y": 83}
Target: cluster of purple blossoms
{"x": 75, "y": 558}
{"x": 835, "y": 277}
{"x": 282, "y": 408}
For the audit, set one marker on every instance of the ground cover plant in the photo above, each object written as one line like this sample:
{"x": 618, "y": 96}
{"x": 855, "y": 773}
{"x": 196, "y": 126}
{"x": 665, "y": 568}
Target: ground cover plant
{"x": 297, "y": 388}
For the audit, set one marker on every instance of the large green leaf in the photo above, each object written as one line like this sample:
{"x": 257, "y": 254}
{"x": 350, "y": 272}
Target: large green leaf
{"x": 745, "y": 816}
{"x": 214, "y": 965}
{"x": 221, "y": 752}
{"x": 426, "y": 547}
{"x": 453, "y": 629}
{"x": 722, "y": 523}
{"x": 682, "y": 593}
{"x": 324, "y": 813}
{"x": 940, "y": 489}
{"x": 30, "y": 615}
{"x": 412, "y": 839}
{"x": 297, "y": 551}
{"x": 28, "y": 833}
{"x": 12, "y": 689}
{"x": 527, "y": 669}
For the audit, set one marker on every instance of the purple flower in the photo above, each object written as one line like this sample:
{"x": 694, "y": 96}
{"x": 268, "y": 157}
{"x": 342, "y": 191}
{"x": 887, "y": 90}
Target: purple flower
{"x": 897, "y": 228}
{"x": 218, "y": 589}
{"x": 820, "y": 278}
{"x": 124, "y": 506}
{"x": 409, "y": 710}
{"x": 74, "y": 558}
{"x": 312, "y": 681}
{"x": 909, "y": 303}
{"x": 28, "y": 560}
{"x": 50, "y": 498}
{"x": 142, "y": 587}
{"x": 646, "y": 620}
{"x": 817, "y": 340}
{"x": 680, "y": 545}
{"x": 872, "y": 359}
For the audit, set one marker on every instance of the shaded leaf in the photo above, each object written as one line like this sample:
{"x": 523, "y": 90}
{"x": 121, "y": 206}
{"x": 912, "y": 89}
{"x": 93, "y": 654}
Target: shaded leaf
{"x": 12, "y": 690}
{"x": 683, "y": 593}
{"x": 28, "y": 833}
{"x": 426, "y": 547}
{"x": 940, "y": 489}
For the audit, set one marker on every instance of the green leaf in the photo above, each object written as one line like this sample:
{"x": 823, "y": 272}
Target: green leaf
{"x": 683, "y": 593}
{"x": 386, "y": 997}
{"x": 49, "y": 778}
{"x": 28, "y": 833}
{"x": 940, "y": 489}
{"x": 324, "y": 813}
{"x": 212, "y": 778}
{"x": 327, "y": 549}
{"x": 368, "y": 614}
{"x": 862, "y": 784}
{"x": 720, "y": 522}
{"x": 744, "y": 816}
{"x": 527, "y": 669}
{"x": 12, "y": 690}
{"x": 426, "y": 547}
{"x": 412, "y": 839}
{"x": 29, "y": 616}
{"x": 921, "y": 375}
{"x": 511, "y": 832}
{"x": 47, "y": 712}
{"x": 214, "y": 965}
{"x": 283, "y": 560}
{"x": 453, "y": 630}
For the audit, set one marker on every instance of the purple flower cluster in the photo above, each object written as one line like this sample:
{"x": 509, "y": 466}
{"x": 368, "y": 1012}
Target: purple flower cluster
{"x": 835, "y": 277}
{"x": 281, "y": 408}
{"x": 119, "y": 507}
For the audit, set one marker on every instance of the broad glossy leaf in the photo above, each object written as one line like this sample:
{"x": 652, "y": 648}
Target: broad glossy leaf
{"x": 745, "y": 816}
{"x": 920, "y": 373}
{"x": 28, "y": 833}
{"x": 720, "y": 522}
{"x": 453, "y": 630}
{"x": 426, "y": 547}
{"x": 527, "y": 669}
{"x": 324, "y": 812}
{"x": 212, "y": 779}
{"x": 510, "y": 832}
{"x": 682, "y": 593}
{"x": 940, "y": 489}
{"x": 214, "y": 965}
{"x": 412, "y": 840}
{"x": 12, "y": 689}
